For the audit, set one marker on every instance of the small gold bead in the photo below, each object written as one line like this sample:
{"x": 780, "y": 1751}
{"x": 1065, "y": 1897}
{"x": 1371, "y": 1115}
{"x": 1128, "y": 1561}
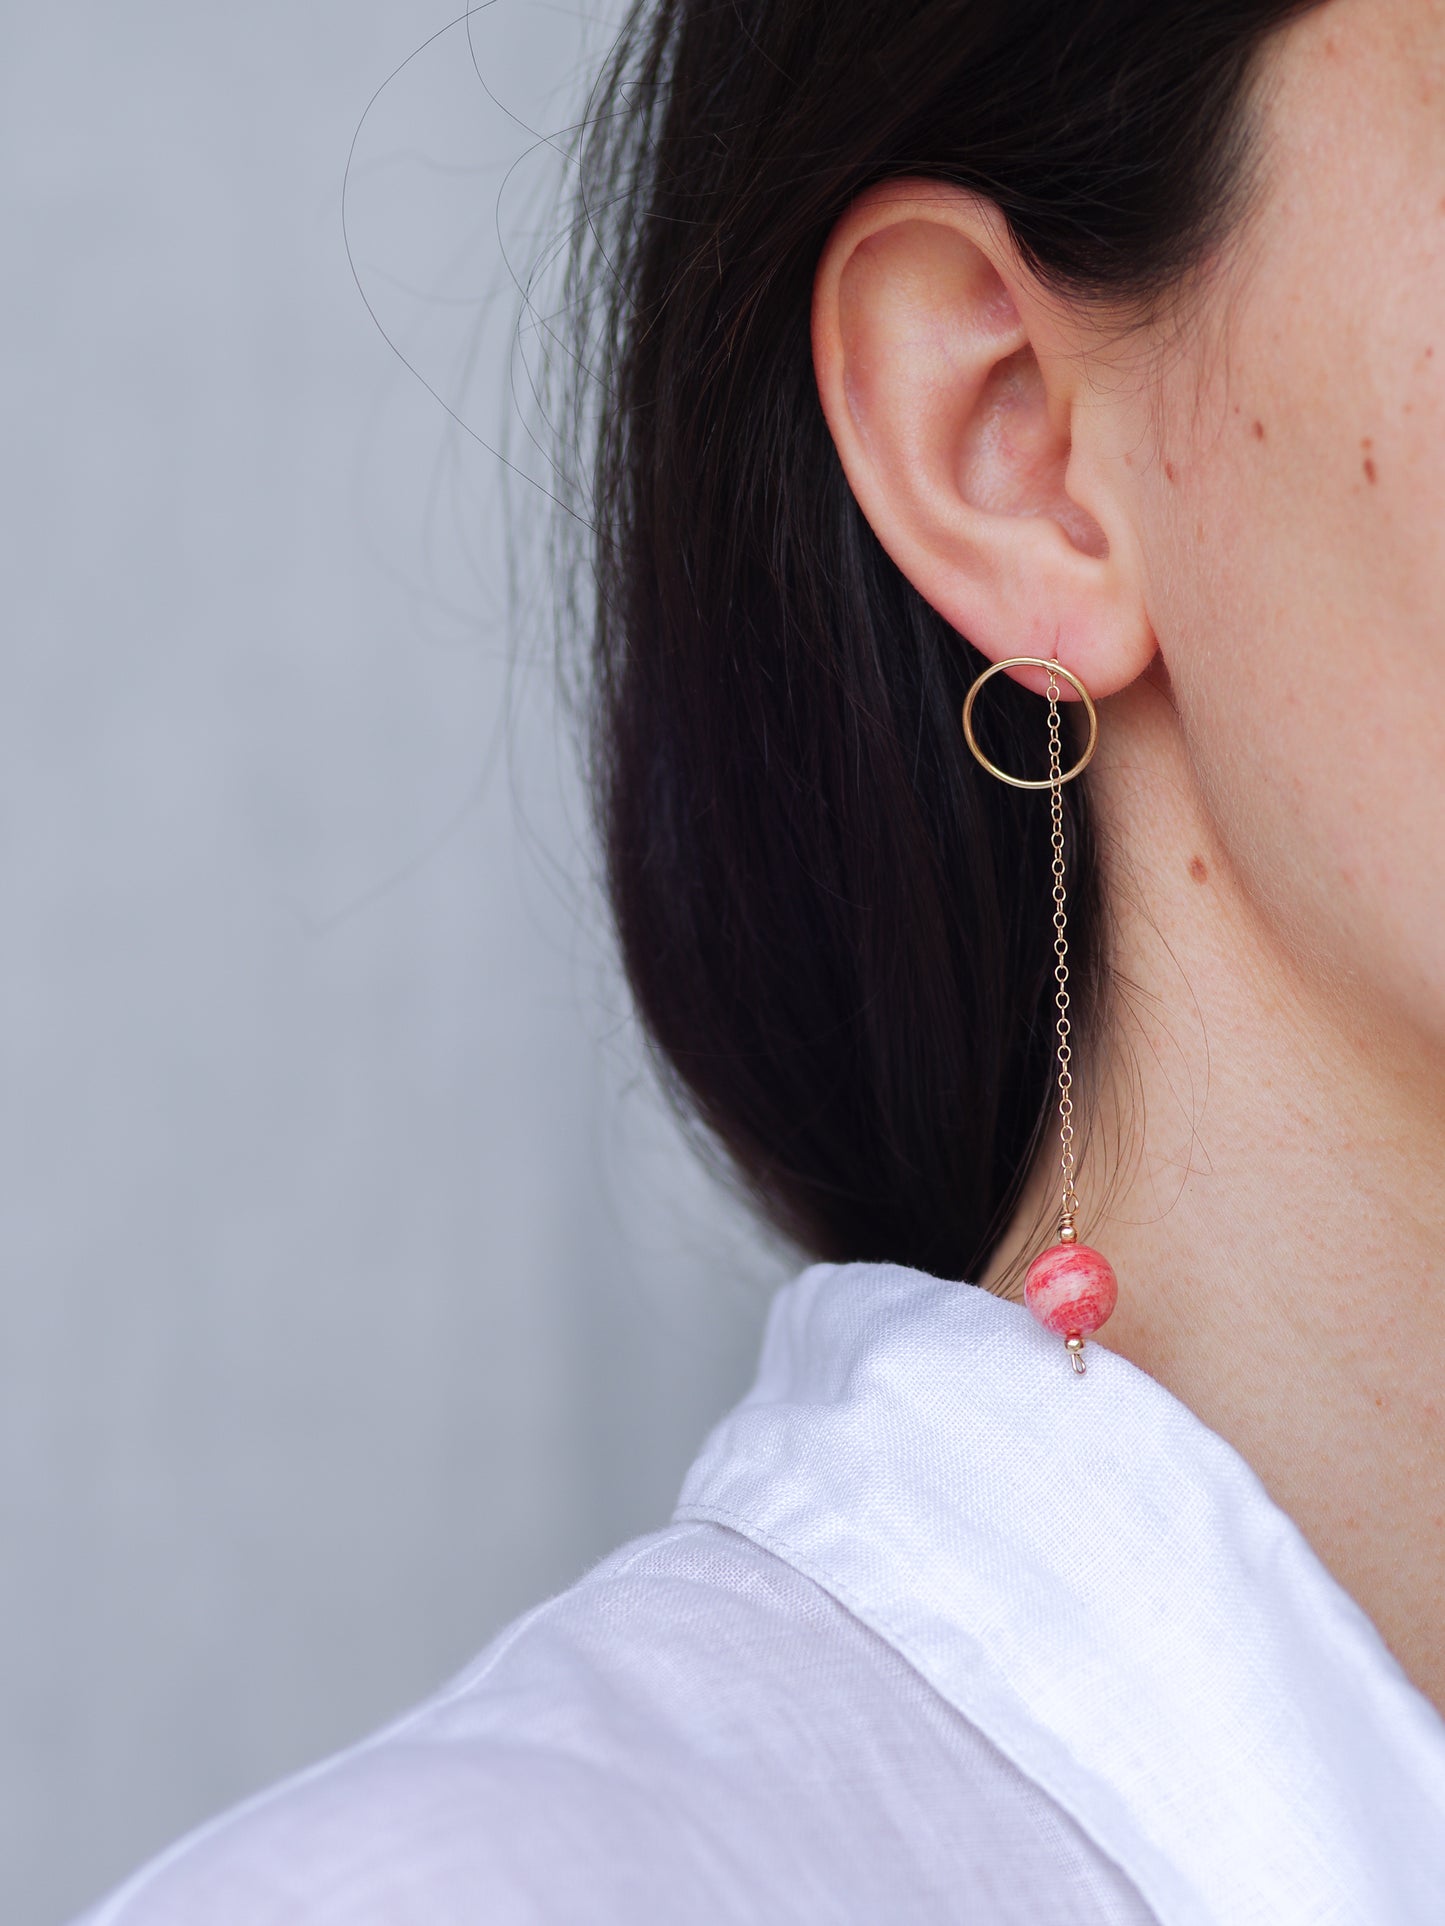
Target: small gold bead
{"x": 1067, "y": 1234}
{"x": 1074, "y": 1343}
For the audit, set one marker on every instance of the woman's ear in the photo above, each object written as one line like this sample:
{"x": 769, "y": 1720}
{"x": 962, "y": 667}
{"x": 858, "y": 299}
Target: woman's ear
{"x": 957, "y": 395}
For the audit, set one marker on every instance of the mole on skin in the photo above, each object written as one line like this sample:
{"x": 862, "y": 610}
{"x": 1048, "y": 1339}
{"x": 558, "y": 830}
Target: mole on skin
{"x": 1198, "y": 869}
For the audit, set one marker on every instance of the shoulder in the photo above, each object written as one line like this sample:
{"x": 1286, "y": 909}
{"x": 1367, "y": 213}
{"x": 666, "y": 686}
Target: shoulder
{"x": 691, "y": 1732}
{"x": 508, "y": 1794}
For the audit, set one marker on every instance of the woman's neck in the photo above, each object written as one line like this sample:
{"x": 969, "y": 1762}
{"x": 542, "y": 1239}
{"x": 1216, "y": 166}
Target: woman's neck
{"x": 1264, "y": 1171}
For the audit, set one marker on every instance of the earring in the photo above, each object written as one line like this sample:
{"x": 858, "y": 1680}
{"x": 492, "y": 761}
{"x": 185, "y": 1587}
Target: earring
{"x": 1070, "y": 1288}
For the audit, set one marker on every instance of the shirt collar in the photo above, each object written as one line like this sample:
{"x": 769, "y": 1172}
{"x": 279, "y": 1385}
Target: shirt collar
{"x": 1101, "y": 1585}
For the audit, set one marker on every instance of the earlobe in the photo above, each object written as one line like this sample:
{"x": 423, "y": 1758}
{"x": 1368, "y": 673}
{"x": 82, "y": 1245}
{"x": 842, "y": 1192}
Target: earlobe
{"x": 952, "y": 392}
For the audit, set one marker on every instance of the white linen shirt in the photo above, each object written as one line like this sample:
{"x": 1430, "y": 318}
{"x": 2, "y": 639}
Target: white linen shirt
{"x": 940, "y": 1632}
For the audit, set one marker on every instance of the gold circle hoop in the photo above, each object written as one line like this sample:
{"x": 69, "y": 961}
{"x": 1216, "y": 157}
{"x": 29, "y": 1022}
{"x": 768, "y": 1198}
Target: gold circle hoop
{"x": 1030, "y": 662}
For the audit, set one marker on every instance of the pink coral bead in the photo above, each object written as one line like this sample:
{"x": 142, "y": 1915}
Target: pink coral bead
{"x": 1071, "y": 1289}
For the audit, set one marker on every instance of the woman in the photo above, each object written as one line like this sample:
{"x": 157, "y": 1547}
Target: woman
{"x": 1109, "y": 335}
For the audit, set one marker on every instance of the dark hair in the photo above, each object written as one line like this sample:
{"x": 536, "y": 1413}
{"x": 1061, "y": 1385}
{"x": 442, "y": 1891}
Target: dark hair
{"x": 835, "y": 923}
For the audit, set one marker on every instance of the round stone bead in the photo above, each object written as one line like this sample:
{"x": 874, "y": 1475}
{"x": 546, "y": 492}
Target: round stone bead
{"x": 1071, "y": 1289}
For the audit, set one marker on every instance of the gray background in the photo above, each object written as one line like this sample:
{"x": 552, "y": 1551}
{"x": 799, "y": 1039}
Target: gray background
{"x": 356, "y": 1291}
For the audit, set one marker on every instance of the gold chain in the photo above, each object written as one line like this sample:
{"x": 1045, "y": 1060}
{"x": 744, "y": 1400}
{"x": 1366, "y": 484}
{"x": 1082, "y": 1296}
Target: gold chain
{"x": 1070, "y": 1202}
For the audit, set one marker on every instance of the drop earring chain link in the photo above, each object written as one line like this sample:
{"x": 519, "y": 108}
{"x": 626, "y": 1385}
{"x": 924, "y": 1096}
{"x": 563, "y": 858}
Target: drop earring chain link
{"x": 1069, "y": 1203}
